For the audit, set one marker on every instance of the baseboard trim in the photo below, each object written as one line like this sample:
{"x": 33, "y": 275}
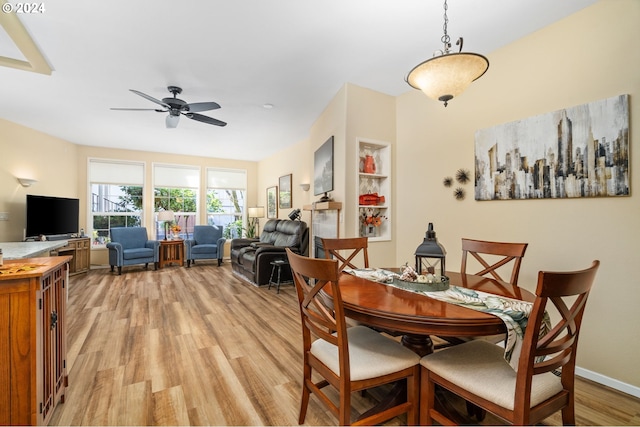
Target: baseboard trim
{"x": 607, "y": 381}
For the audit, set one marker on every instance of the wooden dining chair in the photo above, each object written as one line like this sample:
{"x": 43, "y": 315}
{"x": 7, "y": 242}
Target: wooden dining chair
{"x": 498, "y": 253}
{"x": 491, "y": 256}
{"x": 478, "y": 372}
{"x": 332, "y": 248}
{"x": 348, "y": 359}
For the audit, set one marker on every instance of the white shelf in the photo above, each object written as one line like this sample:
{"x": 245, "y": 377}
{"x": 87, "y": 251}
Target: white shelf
{"x": 376, "y": 182}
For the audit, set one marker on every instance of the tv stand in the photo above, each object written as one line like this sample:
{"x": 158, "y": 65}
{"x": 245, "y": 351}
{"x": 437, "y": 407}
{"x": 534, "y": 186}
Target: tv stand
{"x": 54, "y": 237}
{"x": 80, "y": 250}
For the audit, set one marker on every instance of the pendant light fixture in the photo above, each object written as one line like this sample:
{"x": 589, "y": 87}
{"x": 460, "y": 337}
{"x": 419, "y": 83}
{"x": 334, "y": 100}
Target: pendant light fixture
{"x": 447, "y": 74}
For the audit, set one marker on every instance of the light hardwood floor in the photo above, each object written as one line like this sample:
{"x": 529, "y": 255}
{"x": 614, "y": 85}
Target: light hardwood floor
{"x": 198, "y": 346}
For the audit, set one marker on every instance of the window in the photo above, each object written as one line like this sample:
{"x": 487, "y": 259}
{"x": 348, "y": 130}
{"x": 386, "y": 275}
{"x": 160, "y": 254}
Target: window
{"x": 176, "y": 188}
{"x": 116, "y": 197}
{"x": 226, "y": 191}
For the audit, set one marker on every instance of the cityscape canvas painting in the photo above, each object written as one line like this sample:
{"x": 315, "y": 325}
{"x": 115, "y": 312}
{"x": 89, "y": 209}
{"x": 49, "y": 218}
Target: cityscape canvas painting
{"x": 581, "y": 151}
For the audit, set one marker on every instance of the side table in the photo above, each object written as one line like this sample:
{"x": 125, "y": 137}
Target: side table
{"x": 277, "y": 264}
{"x": 171, "y": 251}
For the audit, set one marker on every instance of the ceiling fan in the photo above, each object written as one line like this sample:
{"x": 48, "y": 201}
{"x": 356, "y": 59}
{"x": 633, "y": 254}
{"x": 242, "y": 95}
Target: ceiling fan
{"x": 176, "y": 107}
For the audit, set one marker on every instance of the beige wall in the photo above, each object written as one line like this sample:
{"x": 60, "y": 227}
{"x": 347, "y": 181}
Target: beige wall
{"x": 584, "y": 58}
{"x": 295, "y": 161}
{"x": 25, "y": 153}
{"x": 370, "y": 116}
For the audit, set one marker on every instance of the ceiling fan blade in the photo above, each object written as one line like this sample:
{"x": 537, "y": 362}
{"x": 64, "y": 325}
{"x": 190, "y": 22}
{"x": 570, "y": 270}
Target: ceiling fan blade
{"x": 139, "y": 109}
{"x": 201, "y": 106}
{"x": 205, "y": 119}
{"x": 172, "y": 121}
{"x": 150, "y": 98}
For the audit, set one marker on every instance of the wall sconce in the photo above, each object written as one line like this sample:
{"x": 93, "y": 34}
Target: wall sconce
{"x": 26, "y": 182}
{"x": 305, "y": 187}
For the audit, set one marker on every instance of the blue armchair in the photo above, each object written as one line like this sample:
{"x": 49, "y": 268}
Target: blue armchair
{"x": 207, "y": 243}
{"x": 130, "y": 246}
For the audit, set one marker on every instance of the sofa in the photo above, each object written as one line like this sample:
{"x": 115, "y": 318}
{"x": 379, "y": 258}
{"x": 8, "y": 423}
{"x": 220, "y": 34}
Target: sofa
{"x": 207, "y": 243}
{"x": 251, "y": 258}
{"x": 131, "y": 246}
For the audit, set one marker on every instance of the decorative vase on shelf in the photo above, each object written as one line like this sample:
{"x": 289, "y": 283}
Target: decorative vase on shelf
{"x": 369, "y": 164}
{"x": 368, "y": 231}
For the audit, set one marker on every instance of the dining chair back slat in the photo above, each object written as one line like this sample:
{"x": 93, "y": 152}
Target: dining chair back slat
{"x": 333, "y": 246}
{"x": 505, "y": 253}
{"x": 348, "y": 359}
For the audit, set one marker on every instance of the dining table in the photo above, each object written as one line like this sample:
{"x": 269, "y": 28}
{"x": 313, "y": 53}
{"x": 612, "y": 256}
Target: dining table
{"x": 416, "y": 316}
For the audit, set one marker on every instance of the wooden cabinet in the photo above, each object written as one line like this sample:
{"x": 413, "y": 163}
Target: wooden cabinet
{"x": 33, "y": 373}
{"x": 374, "y": 190}
{"x": 80, "y": 250}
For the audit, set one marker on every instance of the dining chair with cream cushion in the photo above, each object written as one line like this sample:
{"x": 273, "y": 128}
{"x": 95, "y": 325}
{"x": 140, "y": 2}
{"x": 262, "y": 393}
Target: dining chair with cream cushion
{"x": 356, "y": 245}
{"x": 544, "y": 381}
{"x": 348, "y": 359}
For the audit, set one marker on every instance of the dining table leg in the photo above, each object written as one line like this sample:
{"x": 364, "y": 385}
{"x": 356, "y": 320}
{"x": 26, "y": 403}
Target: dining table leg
{"x": 419, "y": 344}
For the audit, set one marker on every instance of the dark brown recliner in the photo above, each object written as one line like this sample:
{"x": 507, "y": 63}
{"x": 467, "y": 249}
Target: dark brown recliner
{"x": 251, "y": 258}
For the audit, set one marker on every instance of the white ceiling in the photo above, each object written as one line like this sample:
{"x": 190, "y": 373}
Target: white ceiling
{"x": 294, "y": 54}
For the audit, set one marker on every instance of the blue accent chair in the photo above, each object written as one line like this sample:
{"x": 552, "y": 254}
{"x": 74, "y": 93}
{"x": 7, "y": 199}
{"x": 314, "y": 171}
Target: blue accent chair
{"x": 207, "y": 243}
{"x": 130, "y": 246}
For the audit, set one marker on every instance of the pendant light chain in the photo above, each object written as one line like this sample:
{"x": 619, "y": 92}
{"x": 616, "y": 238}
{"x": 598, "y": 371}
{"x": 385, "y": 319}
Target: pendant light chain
{"x": 446, "y": 40}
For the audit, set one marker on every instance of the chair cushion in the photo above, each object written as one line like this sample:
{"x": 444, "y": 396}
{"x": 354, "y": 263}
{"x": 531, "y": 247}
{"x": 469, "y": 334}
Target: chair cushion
{"x": 370, "y": 354}
{"x": 204, "y": 249}
{"x": 137, "y": 253}
{"x": 479, "y": 366}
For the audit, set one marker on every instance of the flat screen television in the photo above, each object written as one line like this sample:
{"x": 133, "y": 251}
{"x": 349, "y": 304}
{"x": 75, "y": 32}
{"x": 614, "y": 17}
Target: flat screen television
{"x": 323, "y": 169}
{"x": 52, "y": 216}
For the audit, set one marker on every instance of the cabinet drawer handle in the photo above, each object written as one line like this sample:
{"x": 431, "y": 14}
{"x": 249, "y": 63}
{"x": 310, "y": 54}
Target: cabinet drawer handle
{"x": 54, "y": 319}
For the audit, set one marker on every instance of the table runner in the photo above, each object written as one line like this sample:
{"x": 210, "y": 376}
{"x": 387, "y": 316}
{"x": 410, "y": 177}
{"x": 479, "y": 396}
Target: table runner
{"x": 513, "y": 312}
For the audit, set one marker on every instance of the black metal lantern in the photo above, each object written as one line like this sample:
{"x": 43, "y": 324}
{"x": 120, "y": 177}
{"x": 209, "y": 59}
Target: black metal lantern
{"x": 430, "y": 255}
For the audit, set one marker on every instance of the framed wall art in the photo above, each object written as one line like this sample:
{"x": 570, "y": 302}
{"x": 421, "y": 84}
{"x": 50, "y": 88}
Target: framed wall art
{"x": 582, "y": 151}
{"x": 272, "y": 202}
{"x": 284, "y": 192}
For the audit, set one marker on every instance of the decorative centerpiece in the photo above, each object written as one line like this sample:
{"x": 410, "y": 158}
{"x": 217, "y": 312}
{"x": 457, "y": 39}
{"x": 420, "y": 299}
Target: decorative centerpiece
{"x": 370, "y": 221}
{"x": 410, "y": 279}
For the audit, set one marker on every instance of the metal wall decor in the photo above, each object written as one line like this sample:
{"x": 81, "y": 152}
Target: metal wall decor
{"x": 463, "y": 176}
{"x": 582, "y": 151}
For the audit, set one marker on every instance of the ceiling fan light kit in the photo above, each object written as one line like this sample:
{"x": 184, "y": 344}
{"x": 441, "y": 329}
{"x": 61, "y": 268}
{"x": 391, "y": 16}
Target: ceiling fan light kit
{"x": 177, "y": 107}
{"x": 447, "y": 75}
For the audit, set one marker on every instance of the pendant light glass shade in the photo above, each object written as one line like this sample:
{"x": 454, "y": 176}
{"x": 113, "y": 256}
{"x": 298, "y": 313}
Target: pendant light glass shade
{"x": 446, "y": 76}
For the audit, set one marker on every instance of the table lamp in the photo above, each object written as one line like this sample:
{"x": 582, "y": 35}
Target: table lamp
{"x": 167, "y": 217}
{"x": 253, "y": 214}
